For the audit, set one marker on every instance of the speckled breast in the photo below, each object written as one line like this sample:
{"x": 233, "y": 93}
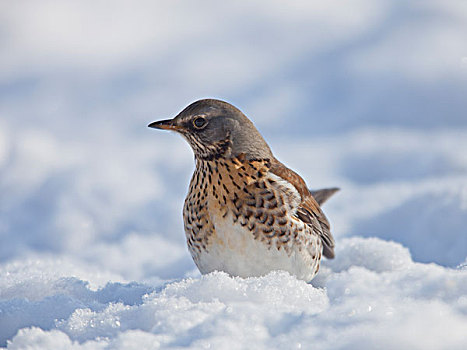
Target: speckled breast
{"x": 240, "y": 218}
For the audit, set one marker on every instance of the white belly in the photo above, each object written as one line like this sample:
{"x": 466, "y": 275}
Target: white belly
{"x": 233, "y": 249}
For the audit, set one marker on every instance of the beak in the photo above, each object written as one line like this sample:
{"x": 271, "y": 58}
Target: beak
{"x": 165, "y": 125}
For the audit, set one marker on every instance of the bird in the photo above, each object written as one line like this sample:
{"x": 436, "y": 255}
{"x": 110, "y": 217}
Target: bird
{"x": 246, "y": 213}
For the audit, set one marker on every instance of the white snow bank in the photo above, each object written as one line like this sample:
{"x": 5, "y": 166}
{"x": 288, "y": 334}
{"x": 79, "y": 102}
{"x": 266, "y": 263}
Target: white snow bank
{"x": 371, "y": 294}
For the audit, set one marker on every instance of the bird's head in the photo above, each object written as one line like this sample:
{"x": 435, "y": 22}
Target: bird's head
{"x": 216, "y": 129}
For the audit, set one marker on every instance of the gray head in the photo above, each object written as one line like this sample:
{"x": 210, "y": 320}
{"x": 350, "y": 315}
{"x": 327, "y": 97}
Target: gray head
{"x": 217, "y": 129}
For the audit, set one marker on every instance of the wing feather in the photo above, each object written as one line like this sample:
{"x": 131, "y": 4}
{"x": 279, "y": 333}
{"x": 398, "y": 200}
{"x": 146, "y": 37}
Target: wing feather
{"x": 308, "y": 210}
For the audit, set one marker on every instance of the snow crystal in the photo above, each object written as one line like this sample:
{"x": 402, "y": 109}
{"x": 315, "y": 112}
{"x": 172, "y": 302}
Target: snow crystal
{"x": 220, "y": 310}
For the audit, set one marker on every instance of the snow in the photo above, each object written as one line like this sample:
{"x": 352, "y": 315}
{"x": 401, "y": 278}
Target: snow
{"x": 365, "y": 95}
{"x": 375, "y": 294}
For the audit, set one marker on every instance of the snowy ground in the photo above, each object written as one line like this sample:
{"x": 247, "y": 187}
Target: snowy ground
{"x": 370, "y": 96}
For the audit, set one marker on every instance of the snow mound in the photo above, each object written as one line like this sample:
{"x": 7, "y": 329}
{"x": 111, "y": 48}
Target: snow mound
{"x": 385, "y": 299}
{"x": 373, "y": 254}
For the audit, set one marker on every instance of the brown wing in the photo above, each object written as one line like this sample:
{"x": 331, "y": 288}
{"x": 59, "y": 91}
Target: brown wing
{"x": 308, "y": 210}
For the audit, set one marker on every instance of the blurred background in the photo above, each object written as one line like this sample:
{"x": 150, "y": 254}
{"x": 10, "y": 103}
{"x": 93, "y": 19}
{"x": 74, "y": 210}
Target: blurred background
{"x": 367, "y": 95}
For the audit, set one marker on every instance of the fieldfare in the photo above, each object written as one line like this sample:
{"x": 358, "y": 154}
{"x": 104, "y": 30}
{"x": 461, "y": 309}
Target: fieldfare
{"x": 246, "y": 213}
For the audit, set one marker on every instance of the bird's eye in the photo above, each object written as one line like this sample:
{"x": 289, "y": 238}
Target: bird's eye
{"x": 199, "y": 122}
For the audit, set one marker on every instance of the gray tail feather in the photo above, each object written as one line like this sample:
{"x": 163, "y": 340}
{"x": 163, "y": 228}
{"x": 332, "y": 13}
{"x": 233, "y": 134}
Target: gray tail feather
{"x": 323, "y": 195}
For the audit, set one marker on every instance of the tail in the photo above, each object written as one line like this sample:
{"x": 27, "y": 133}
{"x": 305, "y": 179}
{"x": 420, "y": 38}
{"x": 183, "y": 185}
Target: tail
{"x": 323, "y": 195}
